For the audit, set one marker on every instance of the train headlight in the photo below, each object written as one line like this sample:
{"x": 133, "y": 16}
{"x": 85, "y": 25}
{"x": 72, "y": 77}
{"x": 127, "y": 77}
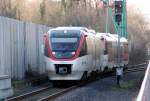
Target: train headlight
{"x": 53, "y": 53}
{"x": 73, "y": 53}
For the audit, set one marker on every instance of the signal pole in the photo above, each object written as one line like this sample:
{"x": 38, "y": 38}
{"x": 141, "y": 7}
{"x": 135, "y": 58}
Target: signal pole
{"x": 107, "y": 16}
{"x": 119, "y": 57}
{"x": 118, "y": 20}
{"x": 118, "y": 13}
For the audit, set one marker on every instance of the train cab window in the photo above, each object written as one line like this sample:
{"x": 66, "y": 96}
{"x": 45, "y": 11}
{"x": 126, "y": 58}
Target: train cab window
{"x": 83, "y": 50}
{"x": 64, "y": 43}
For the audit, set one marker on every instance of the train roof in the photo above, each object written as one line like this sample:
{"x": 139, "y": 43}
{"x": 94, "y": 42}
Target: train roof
{"x": 92, "y": 31}
{"x": 87, "y": 31}
{"x": 70, "y": 28}
{"x": 111, "y": 37}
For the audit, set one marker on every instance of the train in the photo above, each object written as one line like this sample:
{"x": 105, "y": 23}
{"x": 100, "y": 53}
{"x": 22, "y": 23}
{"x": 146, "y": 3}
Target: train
{"x": 74, "y": 53}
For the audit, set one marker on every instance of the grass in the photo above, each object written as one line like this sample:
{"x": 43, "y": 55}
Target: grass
{"x": 19, "y": 83}
{"x": 126, "y": 85}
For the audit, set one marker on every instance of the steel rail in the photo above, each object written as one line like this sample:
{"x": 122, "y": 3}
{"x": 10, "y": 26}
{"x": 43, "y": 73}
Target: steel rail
{"x": 139, "y": 68}
{"x": 82, "y": 83}
{"x": 23, "y": 96}
{"x": 55, "y": 95}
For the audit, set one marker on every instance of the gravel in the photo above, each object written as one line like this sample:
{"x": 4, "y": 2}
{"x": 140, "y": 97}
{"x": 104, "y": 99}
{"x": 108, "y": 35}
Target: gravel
{"x": 29, "y": 88}
{"x": 107, "y": 90}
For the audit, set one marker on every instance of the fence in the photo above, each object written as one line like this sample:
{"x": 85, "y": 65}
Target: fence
{"x": 20, "y": 47}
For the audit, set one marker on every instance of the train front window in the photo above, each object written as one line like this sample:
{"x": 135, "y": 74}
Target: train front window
{"x": 64, "y": 45}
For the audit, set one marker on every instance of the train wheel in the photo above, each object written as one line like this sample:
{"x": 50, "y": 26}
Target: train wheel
{"x": 56, "y": 83}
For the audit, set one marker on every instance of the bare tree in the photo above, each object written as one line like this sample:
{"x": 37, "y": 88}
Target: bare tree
{"x": 137, "y": 27}
{"x": 42, "y": 9}
{"x": 6, "y": 9}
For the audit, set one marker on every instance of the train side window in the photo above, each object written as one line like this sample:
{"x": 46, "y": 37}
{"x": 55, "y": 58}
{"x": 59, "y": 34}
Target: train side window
{"x": 83, "y": 50}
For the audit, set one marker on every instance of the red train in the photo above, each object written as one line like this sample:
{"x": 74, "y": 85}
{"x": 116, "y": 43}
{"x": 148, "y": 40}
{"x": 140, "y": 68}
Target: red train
{"x": 73, "y": 53}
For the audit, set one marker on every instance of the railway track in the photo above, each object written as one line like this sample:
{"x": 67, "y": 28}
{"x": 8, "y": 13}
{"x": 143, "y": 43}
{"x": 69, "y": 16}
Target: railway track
{"x": 61, "y": 92}
{"x": 48, "y": 93}
{"x": 55, "y": 95}
{"x": 138, "y": 65}
{"x": 137, "y": 68}
{"x": 26, "y": 95}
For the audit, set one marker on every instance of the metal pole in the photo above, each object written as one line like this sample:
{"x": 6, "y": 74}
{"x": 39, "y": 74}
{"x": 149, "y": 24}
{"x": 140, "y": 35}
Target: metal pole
{"x": 107, "y": 18}
{"x": 125, "y": 18}
{"x": 119, "y": 47}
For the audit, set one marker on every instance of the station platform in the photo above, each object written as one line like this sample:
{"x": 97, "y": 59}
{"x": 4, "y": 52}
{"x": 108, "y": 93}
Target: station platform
{"x": 144, "y": 93}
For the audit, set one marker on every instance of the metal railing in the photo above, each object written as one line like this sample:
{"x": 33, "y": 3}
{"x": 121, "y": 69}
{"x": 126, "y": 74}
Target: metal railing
{"x": 144, "y": 94}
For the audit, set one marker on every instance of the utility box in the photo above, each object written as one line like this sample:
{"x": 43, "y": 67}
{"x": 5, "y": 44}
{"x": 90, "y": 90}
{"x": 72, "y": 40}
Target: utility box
{"x": 5, "y": 87}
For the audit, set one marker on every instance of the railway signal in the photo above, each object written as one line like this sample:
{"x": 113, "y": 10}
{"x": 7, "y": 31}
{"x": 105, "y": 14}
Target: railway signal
{"x": 118, "y": 11}
{"x": 118, "y": 6}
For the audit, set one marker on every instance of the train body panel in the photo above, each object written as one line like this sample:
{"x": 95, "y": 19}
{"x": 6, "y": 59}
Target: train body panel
{"x": 91, "y": 50}
{"x": 71, "y": 52}
{"x": 111, "y": 50}
{"x": 74, "y": 71}
{"x": 99, "y": 56}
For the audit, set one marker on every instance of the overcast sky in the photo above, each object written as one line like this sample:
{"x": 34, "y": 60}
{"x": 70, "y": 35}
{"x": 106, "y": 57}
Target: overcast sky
{"x": 143, "y": 5}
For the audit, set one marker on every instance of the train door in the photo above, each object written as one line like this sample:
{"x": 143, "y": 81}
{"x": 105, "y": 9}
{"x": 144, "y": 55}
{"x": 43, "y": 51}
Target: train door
{"x": 94, "y": 52}
{"x": 85, "y": 57}
{"x": 99, "y": 52}
{"x": 115, "y": 53}
{"x": 91, "y": 52}
{"x": 110, "y": 55}
{"x": 104, "y": 57}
